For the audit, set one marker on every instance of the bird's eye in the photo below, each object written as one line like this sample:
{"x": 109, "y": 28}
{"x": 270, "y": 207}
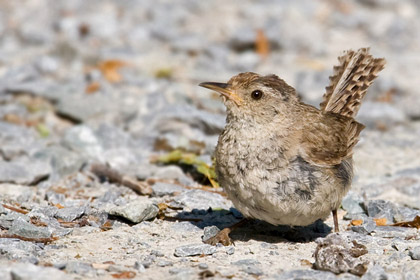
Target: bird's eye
{"x": 256, "y": 94}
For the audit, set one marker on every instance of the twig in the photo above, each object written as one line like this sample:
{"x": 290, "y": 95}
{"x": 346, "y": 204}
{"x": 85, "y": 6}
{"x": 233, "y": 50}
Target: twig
{"x": 19, "y": 210}
{"x": 37, "y": 240}
{"x": 114, "y": 176}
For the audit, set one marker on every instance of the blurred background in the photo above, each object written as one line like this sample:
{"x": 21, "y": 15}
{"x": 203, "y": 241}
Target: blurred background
{"x": 116, "y": 81}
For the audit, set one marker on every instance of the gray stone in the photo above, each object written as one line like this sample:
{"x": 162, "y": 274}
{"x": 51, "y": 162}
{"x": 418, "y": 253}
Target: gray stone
{"x": 24, "y": 172}
{"x": 367, "y": 227}
{"x": 80, "y": 268}
{"x": 23, "y": 228}
{"x": 415, "y": 253}
{"x": 157, "y": 253}
{"x": 55, "y": 198}
{"x": 252, "y": 270}
{"x": 197, "y": 199}
{"x": 194, "y": 250}
{"x": 16, "y": 249}
{"x": 2, "y": 210}
{"x": 28, "y": 271}
{"x": 338, "y": 254}
{"x": 247, "y": 262}
{"x": 203, "y": 266}
{"x": 381, "y": 209}
{"x": 185, "y": 227}
{"x": 43, "y": 212}
{"x": 210, "y": 232}
{"x": 395, "y": 232}
{"x": 7, "y": 220}
{"x": 83, "y": 140}
{"x": 136, "y": 211}
{"x": 230, "y": 250}
{"x": 306, "y": 275}
{"x": 376, "y": 272}
{"x": 164, "y": 263}
{"x": 63, "y": 160}
{"x": 148, "y": 261}
{"x": 162, "y": 189}
{"x": 352, "y": 203}
{"x": 69, "y": 214}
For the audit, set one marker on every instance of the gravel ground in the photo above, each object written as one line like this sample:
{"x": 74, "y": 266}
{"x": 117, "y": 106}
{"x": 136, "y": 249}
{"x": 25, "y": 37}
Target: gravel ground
{"x": 93, "y": 92}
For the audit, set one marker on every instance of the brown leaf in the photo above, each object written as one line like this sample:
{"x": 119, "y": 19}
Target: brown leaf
{"x": 109, "y": 69}
{"x": 305, "y": 262}
{"x": 356, "y": 222}
{"x": 19, "y": 210}
{"x": 59, "y": 206}
{"x": 380, "y": 222}
{"x": 92, "y": 87}
{"x": 262, "y": 45}
{"x": 78, "y": 256}
{"x": 415, "y": 223}
{"x": 124, "y": 275}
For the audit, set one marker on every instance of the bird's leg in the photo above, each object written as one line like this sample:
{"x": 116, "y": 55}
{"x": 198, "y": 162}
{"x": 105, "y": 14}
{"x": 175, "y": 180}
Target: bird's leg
{"x": 223, "y": 235}
{"x": 334, "y": 213}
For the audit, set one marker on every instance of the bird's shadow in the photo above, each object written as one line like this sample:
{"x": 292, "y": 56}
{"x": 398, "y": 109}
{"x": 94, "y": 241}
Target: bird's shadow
{"x": 255, "y": 229}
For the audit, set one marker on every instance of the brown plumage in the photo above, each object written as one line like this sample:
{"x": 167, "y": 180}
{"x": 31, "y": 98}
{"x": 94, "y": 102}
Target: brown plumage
{"x": 286, "y": 162}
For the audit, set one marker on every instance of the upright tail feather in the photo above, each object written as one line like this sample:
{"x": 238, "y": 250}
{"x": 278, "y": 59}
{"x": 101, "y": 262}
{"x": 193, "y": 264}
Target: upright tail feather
{"x": 350, "y": 81}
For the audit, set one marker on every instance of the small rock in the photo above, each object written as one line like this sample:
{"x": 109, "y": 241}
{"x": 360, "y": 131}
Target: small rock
{"x": 139, "y": 266}
{"x": 157, "y": 253}
{"x": 15, "y": 249}
{"x": 230, "y": 250}
{"x": 381, "y": 209}
{"x": 337, "y": 254}
{"x": 25, "y": 172}
{"x": 415, "y": 253}
{"x": 395, "y": 232}
{"x": 367, "y": 227}
{"x": 136, "y": 211}
{"x": 164, "y": 263}
{"x": 185, "y": 226}
{"x": 248, "y": 262}
{"x": 375, "y": 272}
{"x": 352, "y": 203}
{"x": 194, "y": 250}
{"x": 23, "y": 228}
{"x": 203, "y": 266}
{"x": 209, "y": 232}
{"x": 83, "y": 140}
{"x": 80, "y": 268}
{"x": 148, "y": 261}
{"x": 69, "y": 214}
{"x": 2, "y": 210}
{"x": 162, "y": 189}
{"x": 307, "y": 275}
{"x": 27, "y": 271}
{"x": 197, "y": 199}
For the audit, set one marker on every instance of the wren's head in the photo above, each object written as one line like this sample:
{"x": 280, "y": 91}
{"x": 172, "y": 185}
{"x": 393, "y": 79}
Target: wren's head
{"x": 255, "y": 98}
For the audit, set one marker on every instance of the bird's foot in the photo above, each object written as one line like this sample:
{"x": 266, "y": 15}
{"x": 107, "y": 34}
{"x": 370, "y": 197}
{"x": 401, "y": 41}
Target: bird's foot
{"x": 221, "y": 237}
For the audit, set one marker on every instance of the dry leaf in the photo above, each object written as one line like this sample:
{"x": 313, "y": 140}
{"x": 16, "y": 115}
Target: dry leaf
{"x": 109, "y": 69}
{"x": 262, "y": 45}
{"x": 305, "y": 262}
{"x": 415, "y": 223}
{"x": 59, "y": 206}
{"x": 380, "y": 222}
{"x": 356, "y": 222}
{"x": 77, "y": 256}
{"x": 92, "y": 87}
{"x": 124, "y": 275}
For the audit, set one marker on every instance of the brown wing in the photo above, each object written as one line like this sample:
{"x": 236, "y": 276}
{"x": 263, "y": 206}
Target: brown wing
{"x": 329, "y": 140}
{"x": 350, "y": 81}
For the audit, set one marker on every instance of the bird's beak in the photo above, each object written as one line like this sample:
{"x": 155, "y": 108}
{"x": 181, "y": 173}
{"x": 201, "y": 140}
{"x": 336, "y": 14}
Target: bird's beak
{"x": 224, "y": 90}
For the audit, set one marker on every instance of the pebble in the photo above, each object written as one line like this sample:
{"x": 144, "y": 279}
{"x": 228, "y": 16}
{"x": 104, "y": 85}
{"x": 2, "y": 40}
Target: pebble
{"x": 307, "y": 275}
{"x": 162, "y": 189}
{"x": 375, "y": 272}
{"x": 136, "y": 211}
{"x": 23, "y": 228}
{"x": 28, "y": 271}
{"x": 69, "y": 214}
{"x": 194, "y": 250}
{"x": 415, "y": 253}
{"x": 197, "y": 199}
{"x": 210, "y": 232}
{"x": 367, "y": 227}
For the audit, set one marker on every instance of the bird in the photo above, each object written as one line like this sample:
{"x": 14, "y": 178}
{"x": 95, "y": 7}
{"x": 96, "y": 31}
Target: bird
{"x": 283, "y": 161}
